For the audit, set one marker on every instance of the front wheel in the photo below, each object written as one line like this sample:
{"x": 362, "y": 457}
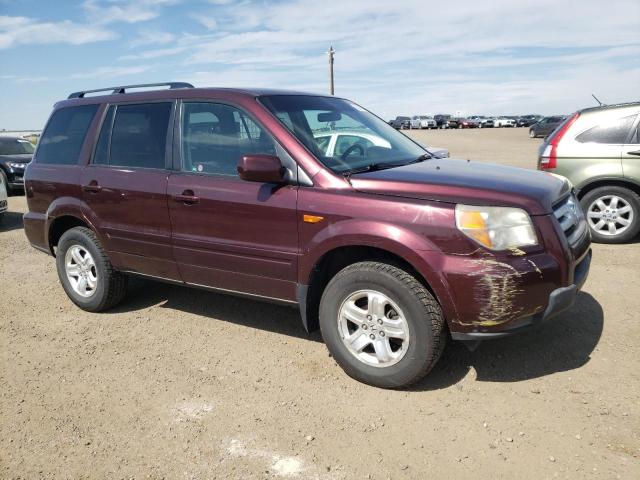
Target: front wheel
{"x": 613, "y": 214}
{"x": 85, "y": 272}
{"x": 381, "y": 325}
{"x": 532, "y": 134}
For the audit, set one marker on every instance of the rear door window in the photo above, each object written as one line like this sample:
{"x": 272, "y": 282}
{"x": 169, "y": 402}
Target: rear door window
{"x": 138, "y": 136}
{"x": 613, "y": 132}
{"x": 101, "y": 156}
{"x": 62, "y": 140}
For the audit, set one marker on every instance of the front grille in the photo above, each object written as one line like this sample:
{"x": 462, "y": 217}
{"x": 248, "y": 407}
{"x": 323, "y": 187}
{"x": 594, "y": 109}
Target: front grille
{"x": 569, "y": 215}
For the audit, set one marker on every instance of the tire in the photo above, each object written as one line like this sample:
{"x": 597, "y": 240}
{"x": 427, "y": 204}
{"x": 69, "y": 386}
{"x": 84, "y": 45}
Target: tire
{"x": 418, "y": 311}
{"x": 110, "y": 285}
{"x": 627, "y": 208}
{"x": 532, "y": 134}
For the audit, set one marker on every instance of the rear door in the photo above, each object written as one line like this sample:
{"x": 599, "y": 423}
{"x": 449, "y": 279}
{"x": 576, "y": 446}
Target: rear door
{"x": 593, "y": 150}
{"x": 230, "y": 234}
{"x": 631, "y": 154}
{"x": 125, "y": 186}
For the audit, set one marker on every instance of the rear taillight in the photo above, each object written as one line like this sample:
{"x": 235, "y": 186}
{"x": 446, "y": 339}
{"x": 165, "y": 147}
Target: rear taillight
{"x": 549, "y": 158}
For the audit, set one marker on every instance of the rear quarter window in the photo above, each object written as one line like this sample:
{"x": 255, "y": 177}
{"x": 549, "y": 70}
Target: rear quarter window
{"x": 613, "y": 132}
{"x": 63, "y": 138}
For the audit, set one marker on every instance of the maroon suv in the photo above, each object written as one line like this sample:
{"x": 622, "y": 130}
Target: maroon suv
{"x": 388, "y": 250}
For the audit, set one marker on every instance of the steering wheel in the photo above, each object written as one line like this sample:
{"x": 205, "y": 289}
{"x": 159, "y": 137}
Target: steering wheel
{"x": 348, "y": 151}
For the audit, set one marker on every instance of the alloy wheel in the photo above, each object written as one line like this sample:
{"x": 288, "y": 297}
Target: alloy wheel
{"x": 81, "y": 271}
{"x": 373, "y": 328}
{"x": 610, "y": 215}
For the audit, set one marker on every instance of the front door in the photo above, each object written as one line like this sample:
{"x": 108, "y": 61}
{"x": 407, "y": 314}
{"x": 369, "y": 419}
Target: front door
{"x": 227, "y": 233}
{"x": 125, "y": 187}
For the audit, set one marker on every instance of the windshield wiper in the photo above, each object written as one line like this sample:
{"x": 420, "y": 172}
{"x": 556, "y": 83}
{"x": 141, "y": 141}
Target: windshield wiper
{"x": 421, "y": 158}
{"x": 372, "y": 167}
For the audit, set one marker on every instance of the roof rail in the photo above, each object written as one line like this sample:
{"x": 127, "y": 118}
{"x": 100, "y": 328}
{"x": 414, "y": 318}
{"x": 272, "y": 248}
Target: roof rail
{"x": 123, "y": 88}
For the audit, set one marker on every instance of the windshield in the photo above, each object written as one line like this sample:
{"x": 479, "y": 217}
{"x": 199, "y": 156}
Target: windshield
{"x": 15, "y": 147}
{"x": 362, "y": 139}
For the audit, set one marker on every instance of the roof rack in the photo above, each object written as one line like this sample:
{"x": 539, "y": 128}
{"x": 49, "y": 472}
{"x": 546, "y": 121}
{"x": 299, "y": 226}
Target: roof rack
{"x": 123, "y": 88}
{"x": 611, "y": 105}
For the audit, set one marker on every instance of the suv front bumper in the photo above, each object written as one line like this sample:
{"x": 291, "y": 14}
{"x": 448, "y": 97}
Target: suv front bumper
{"x": 560, "y": 299}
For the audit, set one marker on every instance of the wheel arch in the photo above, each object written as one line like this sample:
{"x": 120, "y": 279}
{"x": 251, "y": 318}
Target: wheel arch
{"x": 59, "y": 225}
{"x": 335, "y": 259}
{"x": 63, "y": 215}
{"x": 608, "y": 182}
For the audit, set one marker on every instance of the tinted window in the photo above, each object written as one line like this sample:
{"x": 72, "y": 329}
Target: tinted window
{"x": 615, "y": 131}
{"x": 216, "y": 136}
{"x": 101, "y": 156}
{"x": 15, "y": 146}
{"x": 64, "y": 135}
{"x": 139, "y": 135}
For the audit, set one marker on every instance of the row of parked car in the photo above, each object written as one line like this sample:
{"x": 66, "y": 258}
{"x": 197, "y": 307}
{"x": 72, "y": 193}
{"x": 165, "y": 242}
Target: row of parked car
{"x": 442, "y": 121}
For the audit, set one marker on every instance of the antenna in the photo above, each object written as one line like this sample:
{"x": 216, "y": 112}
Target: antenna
{"x": 599, "y": 102}
{"x": 331, "y": 53}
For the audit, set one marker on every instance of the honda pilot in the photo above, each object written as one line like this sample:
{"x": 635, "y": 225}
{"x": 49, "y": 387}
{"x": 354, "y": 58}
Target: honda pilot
{"x": 386, "y": 249}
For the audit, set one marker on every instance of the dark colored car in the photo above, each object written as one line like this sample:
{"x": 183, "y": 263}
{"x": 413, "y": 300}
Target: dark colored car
{"x": 387, "y": 250}
{"x": 528, "y": 120}
{"x": 401, "y": 123}
{"x": 442, "y": 120}
{"x": 15, "y": 155}
{"x": 462, "y": 123}
{"x": 545, "y": 126}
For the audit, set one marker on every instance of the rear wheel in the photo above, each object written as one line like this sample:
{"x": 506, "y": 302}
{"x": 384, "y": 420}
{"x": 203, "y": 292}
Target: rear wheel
{"x": 613, "y": 214}
{"x": 381, "y": 325}
{"x": 85, "y": 272}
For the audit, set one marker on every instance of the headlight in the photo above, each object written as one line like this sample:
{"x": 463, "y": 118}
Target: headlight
{"x": 497, "y": 228}
{"x": 17, "y": 165}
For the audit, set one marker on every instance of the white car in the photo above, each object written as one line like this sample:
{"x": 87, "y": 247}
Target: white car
{"x": 483, "y": 122}
{"x": 338, "y": 142}
{"x": 3, "y": 197}
{"x": 423, "y": 121}
{"x": 499, "y": 122}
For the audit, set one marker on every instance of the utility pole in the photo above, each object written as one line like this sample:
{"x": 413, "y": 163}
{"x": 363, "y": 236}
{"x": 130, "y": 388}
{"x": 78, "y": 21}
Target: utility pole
{"x": 331, "y": 53}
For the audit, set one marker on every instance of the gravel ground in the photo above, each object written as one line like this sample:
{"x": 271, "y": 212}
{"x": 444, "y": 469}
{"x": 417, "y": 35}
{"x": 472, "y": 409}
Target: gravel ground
{"x": 180, "y": 383}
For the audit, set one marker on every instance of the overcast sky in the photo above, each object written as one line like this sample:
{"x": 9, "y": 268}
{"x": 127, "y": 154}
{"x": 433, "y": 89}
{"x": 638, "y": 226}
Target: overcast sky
{"x": 394, "y": 57}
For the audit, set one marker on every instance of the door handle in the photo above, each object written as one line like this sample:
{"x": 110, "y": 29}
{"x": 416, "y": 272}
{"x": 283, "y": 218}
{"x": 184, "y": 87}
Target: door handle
{"x": 187, "y": 197}
{"x": 636, "y": 153}
{"x": 93, "y": 187}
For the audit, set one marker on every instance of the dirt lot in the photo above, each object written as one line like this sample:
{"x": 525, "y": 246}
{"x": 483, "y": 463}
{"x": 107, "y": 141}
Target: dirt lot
{"x": 179, "y": 383}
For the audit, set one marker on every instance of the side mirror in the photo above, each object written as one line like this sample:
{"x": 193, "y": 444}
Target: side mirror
{"x": 261, "y": 168}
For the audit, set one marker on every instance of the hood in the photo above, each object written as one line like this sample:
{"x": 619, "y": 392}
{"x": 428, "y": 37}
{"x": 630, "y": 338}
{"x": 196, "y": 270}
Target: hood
{"x": 461, "y": 181}
{"x": 18, "y": 158}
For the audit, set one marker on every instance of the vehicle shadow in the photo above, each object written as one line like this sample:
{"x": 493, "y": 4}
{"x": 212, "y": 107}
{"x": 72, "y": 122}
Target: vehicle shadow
{"x": 281, "y": 319}
{"x": 561, "y": 344}
{"x": 11, "y": 221}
